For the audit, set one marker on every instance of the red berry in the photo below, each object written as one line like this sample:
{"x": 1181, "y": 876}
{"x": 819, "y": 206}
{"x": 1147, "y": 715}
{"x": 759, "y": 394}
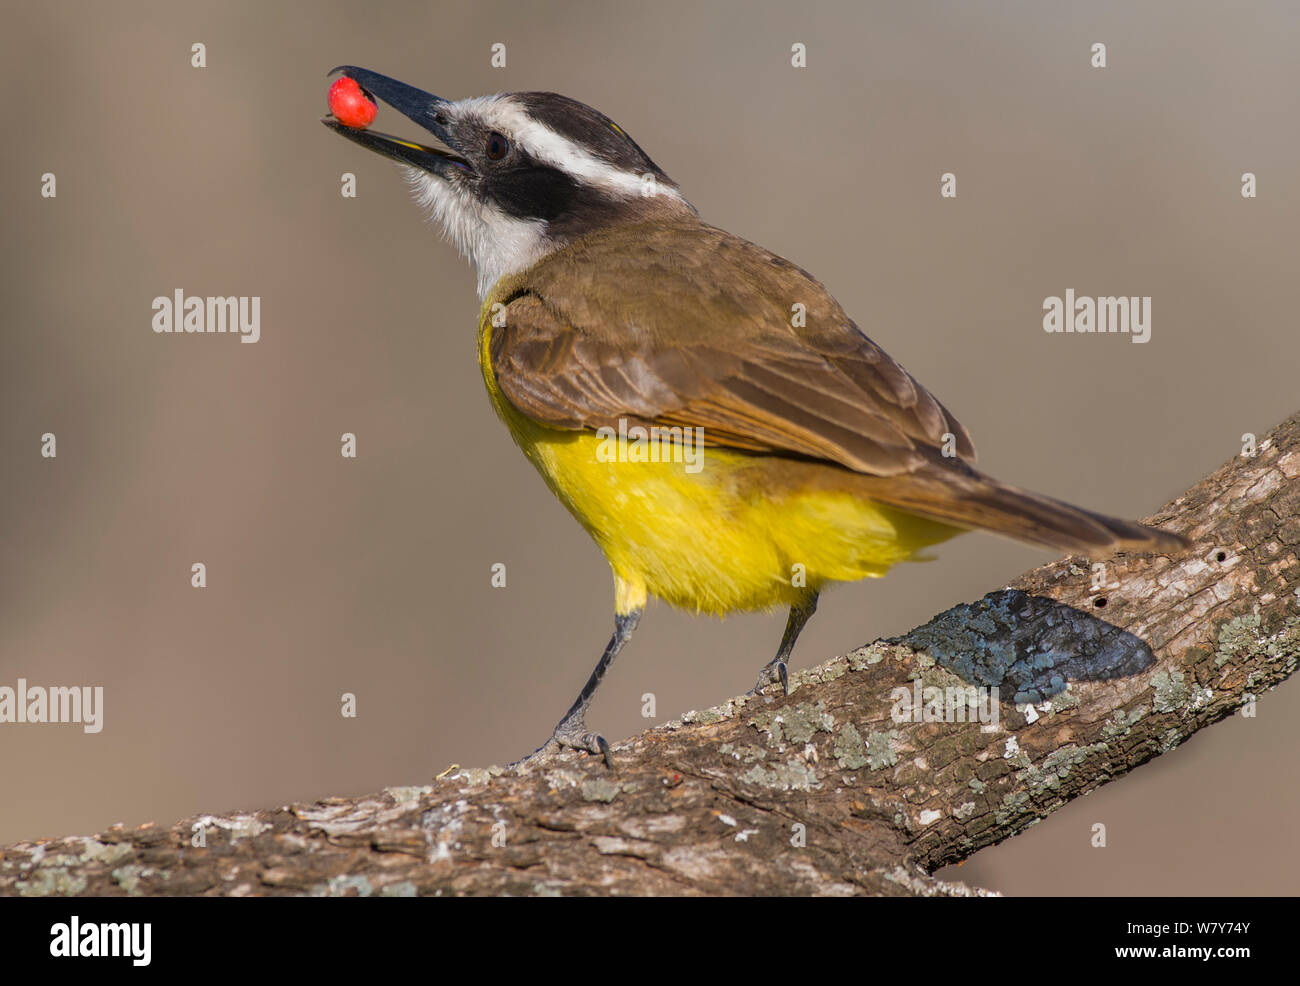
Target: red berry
{"x": 350, "y": 105}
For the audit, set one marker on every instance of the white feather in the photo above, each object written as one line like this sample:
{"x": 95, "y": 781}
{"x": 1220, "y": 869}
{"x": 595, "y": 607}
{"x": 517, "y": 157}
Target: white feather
{"x": 495, "y": 243}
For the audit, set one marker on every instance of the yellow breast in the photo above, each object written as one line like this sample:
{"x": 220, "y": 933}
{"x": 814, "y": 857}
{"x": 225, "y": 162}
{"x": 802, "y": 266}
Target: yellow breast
{"x": 727, "y": 531}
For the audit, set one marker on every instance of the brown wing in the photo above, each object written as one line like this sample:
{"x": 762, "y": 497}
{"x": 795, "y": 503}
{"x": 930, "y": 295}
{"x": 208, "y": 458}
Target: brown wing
{"x": 688, "y": 325}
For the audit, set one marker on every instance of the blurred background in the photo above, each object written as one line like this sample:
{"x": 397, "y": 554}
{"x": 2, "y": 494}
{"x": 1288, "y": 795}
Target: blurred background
{"x": 373, "y": 576}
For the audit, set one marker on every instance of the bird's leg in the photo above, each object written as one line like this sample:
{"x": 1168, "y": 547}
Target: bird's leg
{"x": 572, "y": 729}
{"x": 777, "y": 670}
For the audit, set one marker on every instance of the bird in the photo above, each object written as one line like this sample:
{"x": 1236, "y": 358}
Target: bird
{"x": 795, "y": 452}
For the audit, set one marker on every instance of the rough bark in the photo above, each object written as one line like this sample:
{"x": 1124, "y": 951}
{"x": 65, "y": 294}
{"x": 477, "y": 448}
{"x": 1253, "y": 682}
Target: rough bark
{"x": 1153, "y": 648}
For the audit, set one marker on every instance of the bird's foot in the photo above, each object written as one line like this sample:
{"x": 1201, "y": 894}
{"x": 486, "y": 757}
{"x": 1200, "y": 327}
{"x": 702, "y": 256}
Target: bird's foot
{"x": 778, "y": 672}
{"x": 572, "y": 735}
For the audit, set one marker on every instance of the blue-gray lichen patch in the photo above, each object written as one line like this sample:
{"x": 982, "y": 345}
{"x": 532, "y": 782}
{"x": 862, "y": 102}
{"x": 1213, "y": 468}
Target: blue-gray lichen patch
{"x": 863, "y": 657}
{"x": 1012, "y": 804}
{"x": 1028, "y": 647}
{"x": 1237, "y": 634}
{"x": 411, "y": 792}
{"x": 106, "y": 853}
{"x": 1121, "y": 723}
{"x": 798, "y": 724}
{"x": 1171, "y": 693}
{"x": 704, "y": 717}
{"x": 850, "y": 752}
{"x": 880, "y": 749}
{"x": 1057, "y": 765}
{"x": 804, "y": 720}
{"x": 743, "y": 752}
{"x": 51, "y": 881}
{"x": 600, "y": 789}
{"x": 1065, "y": 700}
{"x": 792, "y": 775}
{"x": 836, "y": 667}
{"x": 128, "y": 877}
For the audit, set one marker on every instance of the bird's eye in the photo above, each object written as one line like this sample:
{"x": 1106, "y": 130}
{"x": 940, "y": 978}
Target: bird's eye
{"x": 497, "y": 146}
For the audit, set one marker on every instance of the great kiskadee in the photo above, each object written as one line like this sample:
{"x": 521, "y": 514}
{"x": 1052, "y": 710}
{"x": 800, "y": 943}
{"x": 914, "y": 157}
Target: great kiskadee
{"x": 610, "y": 309}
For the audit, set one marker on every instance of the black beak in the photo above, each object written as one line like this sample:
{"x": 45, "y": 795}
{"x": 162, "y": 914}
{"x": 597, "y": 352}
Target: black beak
{"x": 415, "y": 104}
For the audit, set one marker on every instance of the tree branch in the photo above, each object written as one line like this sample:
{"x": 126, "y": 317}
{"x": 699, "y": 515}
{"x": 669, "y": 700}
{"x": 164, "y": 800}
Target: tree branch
{"x": 823, "y": 792}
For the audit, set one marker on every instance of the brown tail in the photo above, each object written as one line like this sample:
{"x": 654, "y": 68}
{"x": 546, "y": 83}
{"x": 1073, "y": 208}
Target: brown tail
{"x": 957, "y": 494}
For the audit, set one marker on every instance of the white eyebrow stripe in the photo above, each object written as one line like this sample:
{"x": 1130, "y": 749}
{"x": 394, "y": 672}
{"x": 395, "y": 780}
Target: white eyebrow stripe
{"x": 554, "y": 149}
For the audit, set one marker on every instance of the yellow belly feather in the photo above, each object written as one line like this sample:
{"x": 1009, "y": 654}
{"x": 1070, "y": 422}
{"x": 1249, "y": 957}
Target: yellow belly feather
{"x": 728, "y": 537}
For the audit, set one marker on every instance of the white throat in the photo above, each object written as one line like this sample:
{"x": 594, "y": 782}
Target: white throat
{"x": 496, "y": 244}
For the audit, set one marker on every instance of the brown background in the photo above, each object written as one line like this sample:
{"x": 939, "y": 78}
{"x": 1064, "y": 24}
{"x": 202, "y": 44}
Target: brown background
{"x": 372, "y": 576}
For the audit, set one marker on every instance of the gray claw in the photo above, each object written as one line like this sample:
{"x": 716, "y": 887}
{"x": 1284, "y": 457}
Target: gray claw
{"x": 573, "y": 736}
{"x": 778, "y": 672}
